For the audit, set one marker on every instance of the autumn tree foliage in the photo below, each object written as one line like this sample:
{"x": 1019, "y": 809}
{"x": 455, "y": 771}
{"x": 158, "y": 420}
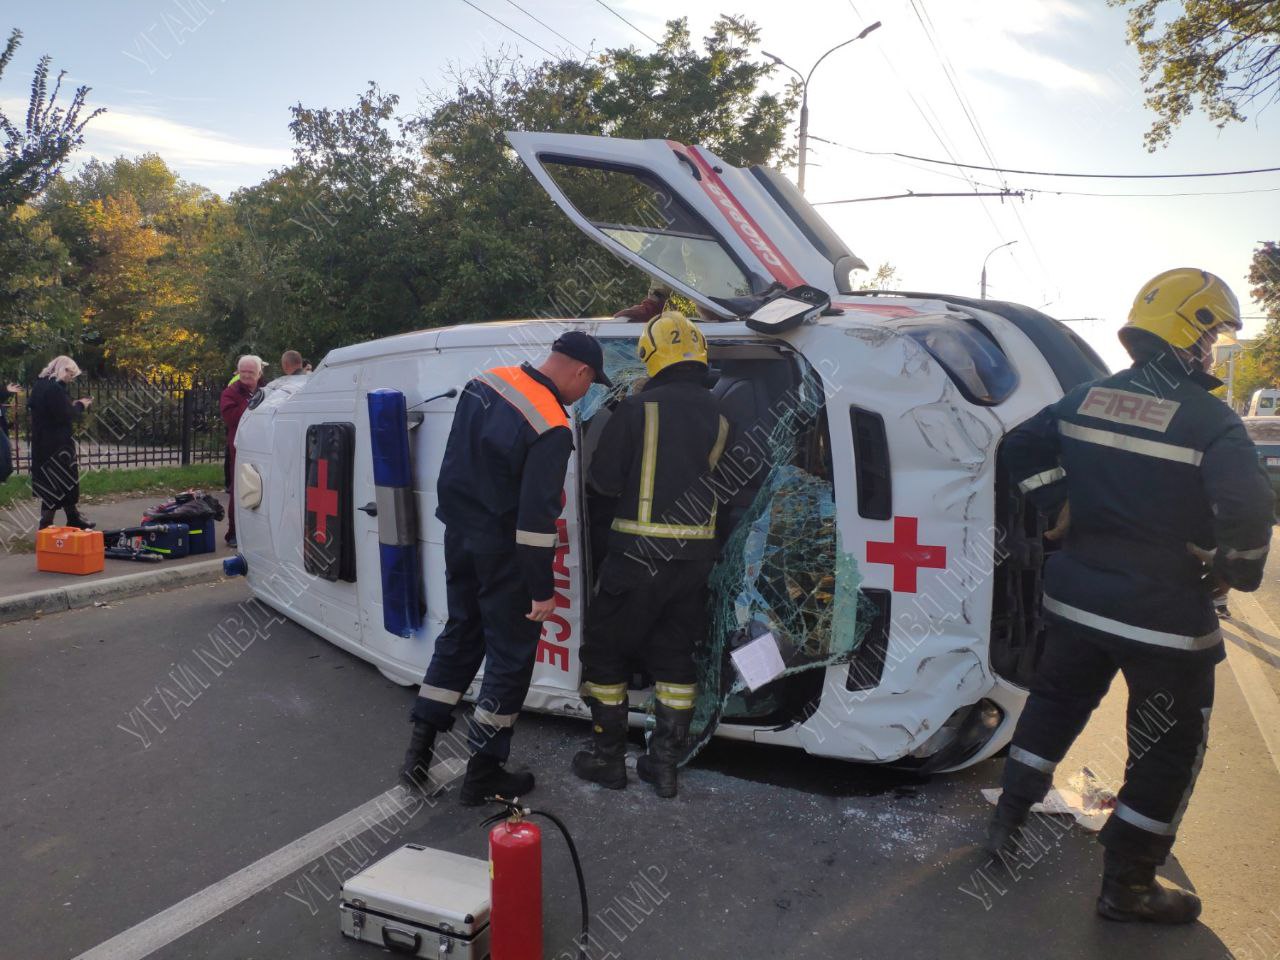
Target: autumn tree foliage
{"x": 1222, "y": 56}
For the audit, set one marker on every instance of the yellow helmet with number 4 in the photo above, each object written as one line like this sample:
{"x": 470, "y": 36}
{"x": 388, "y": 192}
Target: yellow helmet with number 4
{"x": 1180, "y": 306}
{"x": 671, "y": 338}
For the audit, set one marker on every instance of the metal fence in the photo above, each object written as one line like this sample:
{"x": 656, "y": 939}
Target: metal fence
{"x": 135, "y": 423}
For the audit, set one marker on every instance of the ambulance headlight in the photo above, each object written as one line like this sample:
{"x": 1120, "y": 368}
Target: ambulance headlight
{"x": 248, "y": 486}
{"x": 973, "y": 360}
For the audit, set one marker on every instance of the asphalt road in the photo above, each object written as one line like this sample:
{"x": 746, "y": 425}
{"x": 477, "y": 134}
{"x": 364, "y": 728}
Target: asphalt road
{"x": 123, "y": 795}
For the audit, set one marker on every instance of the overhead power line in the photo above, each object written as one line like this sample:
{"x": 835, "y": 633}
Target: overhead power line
{"x": 1033, "y": 191}
{"x": 628, "y": 22}
{"x": 1050, "y": 173}
{"x": 546, "y": 26}
{"x": 503, "y": 23}
{"x": 913, "y": 196}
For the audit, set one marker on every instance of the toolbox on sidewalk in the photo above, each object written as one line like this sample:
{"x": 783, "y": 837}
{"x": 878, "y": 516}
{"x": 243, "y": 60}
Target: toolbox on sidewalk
{"x": 167, "y": 539}
{"x": 202, "y": 536}
{"x": 421, "y": 903}
{"x": 69, "y": 550}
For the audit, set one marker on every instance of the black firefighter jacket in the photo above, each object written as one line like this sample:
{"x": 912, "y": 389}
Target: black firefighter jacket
{"x": 1149, "y": 462}
{"x": 658, "y": 456}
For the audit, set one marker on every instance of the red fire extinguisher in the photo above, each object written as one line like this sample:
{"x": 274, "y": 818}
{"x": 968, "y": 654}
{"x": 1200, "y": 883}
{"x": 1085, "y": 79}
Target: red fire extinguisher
{"x": 515, "y": 881}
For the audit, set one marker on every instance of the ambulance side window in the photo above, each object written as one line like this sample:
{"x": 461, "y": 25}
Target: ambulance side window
{"x": 639, "y": 211}
{"x": 871, "y": 465}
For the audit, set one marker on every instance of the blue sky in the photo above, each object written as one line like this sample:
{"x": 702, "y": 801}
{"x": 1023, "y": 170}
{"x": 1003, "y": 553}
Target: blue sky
{"x": 1051, "y": 84}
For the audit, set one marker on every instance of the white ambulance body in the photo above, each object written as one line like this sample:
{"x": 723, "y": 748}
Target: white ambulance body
{"x": 919, "y": 391}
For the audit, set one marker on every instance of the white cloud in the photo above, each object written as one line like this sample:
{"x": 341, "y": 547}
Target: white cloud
{"x": 131, "y": 132}
{"x": 1004, "y": 38}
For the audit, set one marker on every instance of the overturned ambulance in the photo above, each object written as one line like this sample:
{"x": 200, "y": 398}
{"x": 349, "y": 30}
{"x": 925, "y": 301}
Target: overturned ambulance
{"x": 875, "y": 537}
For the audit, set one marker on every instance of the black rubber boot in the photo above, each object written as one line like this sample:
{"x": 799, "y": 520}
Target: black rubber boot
{"x": 76, "y": 519}
{"x": 606, "y": 762}
{"x": 46, "y": 517}
{"x": 666, "y": 750}
{"x": 1130, "y": 891}
{"x": 1006, "y": 824}
{"x": 417, "y": 759}
{"x": 486, "y": 777}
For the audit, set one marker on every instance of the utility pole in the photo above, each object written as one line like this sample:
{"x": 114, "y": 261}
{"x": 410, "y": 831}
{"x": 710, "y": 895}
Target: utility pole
{"x": 983, "y": 282}
{"x": 804, "y": 95}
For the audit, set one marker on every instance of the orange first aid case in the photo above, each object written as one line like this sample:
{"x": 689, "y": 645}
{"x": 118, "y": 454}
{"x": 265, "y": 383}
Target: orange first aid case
{"x": 69, "y": 550}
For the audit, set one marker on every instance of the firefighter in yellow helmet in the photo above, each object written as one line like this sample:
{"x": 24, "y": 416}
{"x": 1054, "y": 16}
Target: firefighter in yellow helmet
{"x": 1168, "y": 507}
{"x": 655, "y": 462}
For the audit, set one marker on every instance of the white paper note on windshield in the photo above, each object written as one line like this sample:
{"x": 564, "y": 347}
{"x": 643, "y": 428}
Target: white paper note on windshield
{"x": 759, "y": 661}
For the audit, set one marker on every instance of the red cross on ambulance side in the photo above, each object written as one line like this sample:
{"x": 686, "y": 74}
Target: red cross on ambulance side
{"x": 322, "y": 501}
{"x": 906, "y": 554}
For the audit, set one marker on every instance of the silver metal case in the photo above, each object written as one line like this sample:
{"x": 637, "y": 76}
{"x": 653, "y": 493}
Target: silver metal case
{"x": 420, "y": 902}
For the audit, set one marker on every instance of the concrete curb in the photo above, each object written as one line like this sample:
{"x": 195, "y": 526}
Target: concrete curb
{"x": 77, "y": 595}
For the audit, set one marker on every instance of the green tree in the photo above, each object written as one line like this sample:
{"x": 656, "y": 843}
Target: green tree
{"x": 1220, "y": 55}
{"x": 35, "y": 151}
{"x": 885, "y": 278}
{"x": 386, "y": 223}
{"x": 1264, "y": 280}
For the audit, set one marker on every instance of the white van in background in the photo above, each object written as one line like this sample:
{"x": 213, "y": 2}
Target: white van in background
{"x": 1264, "y": 403}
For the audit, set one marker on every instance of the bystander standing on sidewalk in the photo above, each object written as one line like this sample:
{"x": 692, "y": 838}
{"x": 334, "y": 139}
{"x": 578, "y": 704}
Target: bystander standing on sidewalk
{"x": 10, "y": 394}
{"x": 234, "y": 402}
{"x": 55, "y": 471}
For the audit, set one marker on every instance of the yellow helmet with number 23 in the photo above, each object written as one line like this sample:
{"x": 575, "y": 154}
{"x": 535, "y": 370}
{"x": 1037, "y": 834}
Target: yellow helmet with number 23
{"x": 671, "y": 338}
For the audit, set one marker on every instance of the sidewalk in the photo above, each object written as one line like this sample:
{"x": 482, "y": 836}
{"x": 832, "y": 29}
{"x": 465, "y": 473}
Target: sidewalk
{"x": 19, "y": 576}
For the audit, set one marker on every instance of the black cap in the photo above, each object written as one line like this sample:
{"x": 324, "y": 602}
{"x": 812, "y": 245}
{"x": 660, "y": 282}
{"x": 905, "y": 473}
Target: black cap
{"x": 585, "y": 349}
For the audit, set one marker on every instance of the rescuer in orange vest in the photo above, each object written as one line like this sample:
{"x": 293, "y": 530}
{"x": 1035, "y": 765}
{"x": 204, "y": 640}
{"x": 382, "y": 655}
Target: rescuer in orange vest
{"x": 499, "y": 492}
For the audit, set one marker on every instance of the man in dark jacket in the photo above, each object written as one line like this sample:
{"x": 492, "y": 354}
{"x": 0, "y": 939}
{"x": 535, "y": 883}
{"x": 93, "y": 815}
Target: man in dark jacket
{"x": 55, "y": 469}
{"x": 11, "y": 392}
{"x": 655, "y": 458}
{"x": 500, "y": 491}
{"x": 1168, "y": 506}
{"x": 233, "y": 404}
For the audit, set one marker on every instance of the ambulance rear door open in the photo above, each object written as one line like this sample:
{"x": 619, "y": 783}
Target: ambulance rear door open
{"x": 720, "y": 235}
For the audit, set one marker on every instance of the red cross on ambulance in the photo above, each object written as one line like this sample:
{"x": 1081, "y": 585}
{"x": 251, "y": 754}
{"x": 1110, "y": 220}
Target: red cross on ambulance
{"x": 906, "y": 554}
{"x": 322, "y": 501}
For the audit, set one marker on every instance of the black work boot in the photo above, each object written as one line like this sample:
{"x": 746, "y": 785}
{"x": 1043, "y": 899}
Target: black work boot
{"x": 1006, "y": 824}
{"x": 46, "y": 516}
{"x": 666, "y": 749}
{"x": 1130, "y": 891}
{"x": 417, "y": 759}
{"x": 76, "y": 519}
{"x": 486, "y": 777}
{"x": 606, "y": 762}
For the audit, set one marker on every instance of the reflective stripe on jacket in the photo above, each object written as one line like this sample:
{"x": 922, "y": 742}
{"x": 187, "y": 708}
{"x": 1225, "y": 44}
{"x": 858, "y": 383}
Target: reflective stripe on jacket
{"x": 658, "y": 455}
{"x": 502, "y": 477}
{"x": 1149, "y": 461}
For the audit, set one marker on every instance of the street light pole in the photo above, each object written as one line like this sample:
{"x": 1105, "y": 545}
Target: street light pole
{"x": 983, "y": 282}
{"x": 804, "y": 95}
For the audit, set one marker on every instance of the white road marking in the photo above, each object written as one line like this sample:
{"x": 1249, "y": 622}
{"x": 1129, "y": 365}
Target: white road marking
{"x": 1258, "y": 692}
{"x": 216, "y": 899}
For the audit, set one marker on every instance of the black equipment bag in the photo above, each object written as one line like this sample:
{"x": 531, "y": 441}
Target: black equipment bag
{"x": 328, "y": 548}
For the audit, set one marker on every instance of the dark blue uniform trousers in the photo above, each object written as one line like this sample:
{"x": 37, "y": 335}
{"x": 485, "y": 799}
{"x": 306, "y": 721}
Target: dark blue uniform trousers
{"x": 1167, "y": 728}
{"x": 488, "y": 603}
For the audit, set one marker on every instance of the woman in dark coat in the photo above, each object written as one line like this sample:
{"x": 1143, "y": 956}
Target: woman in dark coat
{"x": 55, "y": 473}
